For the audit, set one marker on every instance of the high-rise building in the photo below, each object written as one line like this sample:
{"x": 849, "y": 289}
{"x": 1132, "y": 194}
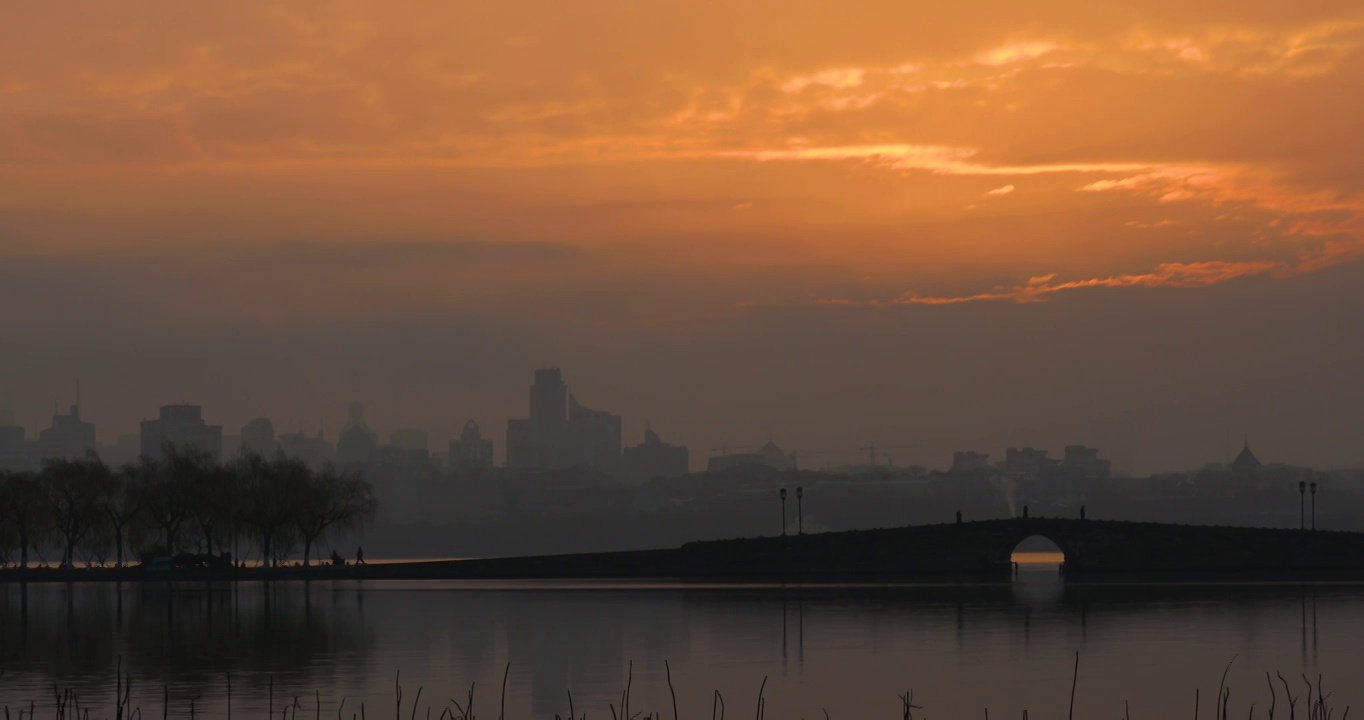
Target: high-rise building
{"x": 654, "y": 458}
{"x": 182, "y": 426}
{"x": 562, "y": 432}
{"x": 471, "y": 452}
{"x": 548, "y": 403}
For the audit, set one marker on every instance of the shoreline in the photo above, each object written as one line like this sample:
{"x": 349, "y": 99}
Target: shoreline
{"x": 953, "y": 553}
{"x": 489, "y": 571}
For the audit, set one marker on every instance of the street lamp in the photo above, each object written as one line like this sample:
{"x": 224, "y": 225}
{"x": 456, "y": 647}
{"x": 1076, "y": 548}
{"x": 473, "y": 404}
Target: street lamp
{"x": 1314, "y": 505}
{"x": 783, "y": 512}
{"x": 1302, "y": 505}
{"x": 800, "y": 511}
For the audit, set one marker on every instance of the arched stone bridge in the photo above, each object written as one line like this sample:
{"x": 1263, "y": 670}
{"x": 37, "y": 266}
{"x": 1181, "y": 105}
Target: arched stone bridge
{"x": 972, "y": 548}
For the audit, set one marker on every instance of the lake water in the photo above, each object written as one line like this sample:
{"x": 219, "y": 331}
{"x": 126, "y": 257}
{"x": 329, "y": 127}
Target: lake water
{"x": 850, "y": 650}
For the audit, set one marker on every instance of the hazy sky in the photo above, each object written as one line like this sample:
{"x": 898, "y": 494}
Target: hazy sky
{"x": 952, "y": 225}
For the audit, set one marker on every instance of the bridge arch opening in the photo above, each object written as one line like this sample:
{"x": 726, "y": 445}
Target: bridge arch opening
{"x": 1037, "y": 552}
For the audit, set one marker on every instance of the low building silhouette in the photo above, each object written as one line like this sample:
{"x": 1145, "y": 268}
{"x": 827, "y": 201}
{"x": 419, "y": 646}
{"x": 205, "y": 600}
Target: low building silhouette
{"x": 769, "y": 455}
{"x": 471, "y": 452}
{"x": 653, "y": 459}
{"x": 1085, "y": 461}
{"x": 1245, "y": 461}
{"x": 1026, "y": 462}
{"x": 357, "y": 443}
{"x": 966, "y": 461}
{"x": 258, "y": 437}
{"x": 68, "y": 437}
{"x": 407, "y": 446}
{"x": 314, "y": 450}
{"x": 122, "y": 451}
{"x": 181, "y": 426}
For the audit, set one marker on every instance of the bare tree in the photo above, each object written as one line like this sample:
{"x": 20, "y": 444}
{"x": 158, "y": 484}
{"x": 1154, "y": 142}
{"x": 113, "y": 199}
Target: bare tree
{"x": 73, "y": 490}
{"x": 333, "y": 500}
{"x": 208, "y": 490}
{"x": 274, "y": 491}
{"x": 122, "y": 505}
{"x": 163, "y": 496}
{"x": 23, "y": 507}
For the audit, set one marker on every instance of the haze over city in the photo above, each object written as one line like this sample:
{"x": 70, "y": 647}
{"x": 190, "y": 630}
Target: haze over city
{"x": 1133, "y": 226}
{"x": 612, "y": 357}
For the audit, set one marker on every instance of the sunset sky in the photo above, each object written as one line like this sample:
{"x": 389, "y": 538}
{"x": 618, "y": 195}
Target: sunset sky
{"x": 958, "y": 225}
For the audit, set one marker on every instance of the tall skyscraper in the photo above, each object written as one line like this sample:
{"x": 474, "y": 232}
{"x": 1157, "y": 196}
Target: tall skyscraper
{"x": 562, "y": 432}
{"x": 548, "y": 403}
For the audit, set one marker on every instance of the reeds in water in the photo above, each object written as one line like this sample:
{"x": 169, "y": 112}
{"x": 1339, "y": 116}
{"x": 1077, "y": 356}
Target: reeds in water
{"x": 66, "y": 704}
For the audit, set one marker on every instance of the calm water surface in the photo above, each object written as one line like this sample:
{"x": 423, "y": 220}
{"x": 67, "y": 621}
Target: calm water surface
{"x": 1005, "y": 647}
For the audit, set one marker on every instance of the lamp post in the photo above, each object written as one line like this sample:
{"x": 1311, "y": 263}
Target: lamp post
{"x": 1313, "y": 486}
{"x": 1302, "y": 505}
{"x": 783, "y": 512}
{"x": 800, "y": 511}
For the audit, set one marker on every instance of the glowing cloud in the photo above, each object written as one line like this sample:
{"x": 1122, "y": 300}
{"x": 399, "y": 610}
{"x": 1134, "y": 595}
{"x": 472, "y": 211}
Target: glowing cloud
{"x": 1038, "y": 289}
{"x": 1010, "y": 53}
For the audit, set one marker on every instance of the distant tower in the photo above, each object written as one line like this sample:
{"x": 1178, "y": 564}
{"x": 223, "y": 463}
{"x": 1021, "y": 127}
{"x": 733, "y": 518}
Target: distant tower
{"x": 357, "y": 443}
{"x": 548, "y": 403}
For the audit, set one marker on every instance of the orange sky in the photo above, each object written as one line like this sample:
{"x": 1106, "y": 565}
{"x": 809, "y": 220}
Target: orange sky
{"x": 659, "y": 167}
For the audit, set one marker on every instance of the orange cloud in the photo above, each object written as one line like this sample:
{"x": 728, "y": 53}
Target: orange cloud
{"x": 1038, "y": 289}
{"x": 340, "y": 118}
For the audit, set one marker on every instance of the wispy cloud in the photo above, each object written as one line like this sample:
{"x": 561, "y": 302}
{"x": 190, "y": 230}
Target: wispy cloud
{"x": 1040, "y": 288}
{"x": 1014, "y": 52}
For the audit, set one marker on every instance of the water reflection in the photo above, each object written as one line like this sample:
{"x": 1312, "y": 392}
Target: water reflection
{"x": 850, "y": 649}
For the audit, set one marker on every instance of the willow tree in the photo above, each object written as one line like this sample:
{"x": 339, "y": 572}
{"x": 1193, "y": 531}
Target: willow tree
{"x": 73, "y": 489}
{"x": 24, "y": 508}
{"x": 274, "y": 491}
{"x": 333, "y": 501}
{"x": 164, "y": 496}
{"x": 122, "y": 505}
{"x": 210, "y": 492}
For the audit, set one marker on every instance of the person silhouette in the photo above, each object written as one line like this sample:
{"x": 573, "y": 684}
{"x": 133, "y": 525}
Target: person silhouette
{"x": 359, "y": 556}
{"x": 958, "y": 517}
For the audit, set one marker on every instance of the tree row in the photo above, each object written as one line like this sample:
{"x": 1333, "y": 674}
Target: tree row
{"x": 86, "y": 511}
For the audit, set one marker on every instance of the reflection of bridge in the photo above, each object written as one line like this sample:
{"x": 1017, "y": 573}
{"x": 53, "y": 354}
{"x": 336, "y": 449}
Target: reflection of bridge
{"x": 973, "y": 548}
